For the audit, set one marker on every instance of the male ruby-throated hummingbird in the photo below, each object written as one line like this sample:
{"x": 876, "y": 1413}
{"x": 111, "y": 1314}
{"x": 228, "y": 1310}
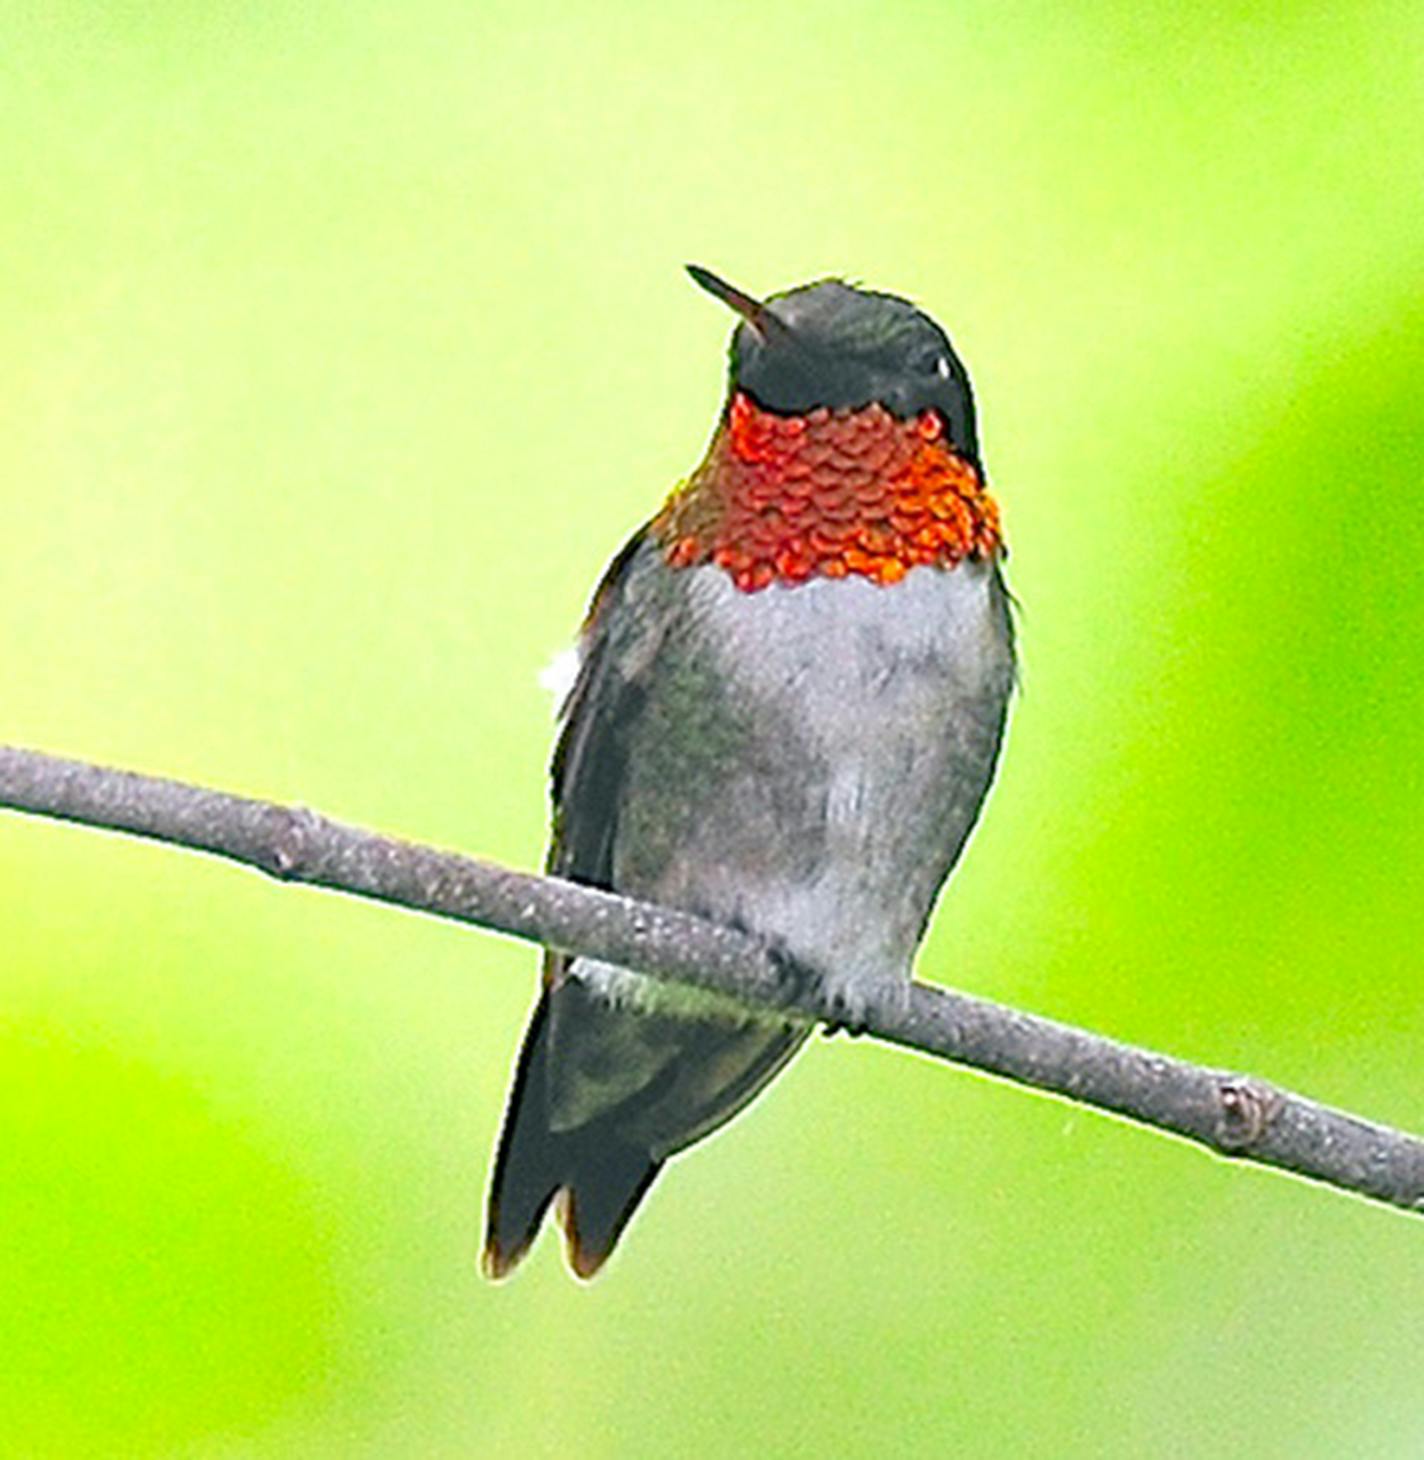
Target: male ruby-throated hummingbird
{"x": 791, "y": 694}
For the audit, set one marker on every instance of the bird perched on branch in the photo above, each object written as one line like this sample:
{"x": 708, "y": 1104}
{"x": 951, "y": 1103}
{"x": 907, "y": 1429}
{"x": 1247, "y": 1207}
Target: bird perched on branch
{"x": 791, "y": 694}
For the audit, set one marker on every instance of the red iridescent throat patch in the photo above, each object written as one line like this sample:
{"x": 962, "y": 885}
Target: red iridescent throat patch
{"x": 780, "y": 499}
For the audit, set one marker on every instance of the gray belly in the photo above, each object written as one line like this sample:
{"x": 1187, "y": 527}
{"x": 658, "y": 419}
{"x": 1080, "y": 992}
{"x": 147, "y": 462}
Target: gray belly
{"x": 810, "y": 760}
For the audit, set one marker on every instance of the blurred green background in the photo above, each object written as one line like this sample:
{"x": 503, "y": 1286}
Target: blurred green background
{"x": 340, "y": 345}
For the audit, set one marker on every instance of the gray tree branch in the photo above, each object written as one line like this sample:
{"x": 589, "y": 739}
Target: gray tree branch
{"x": 1233, "y": 1115}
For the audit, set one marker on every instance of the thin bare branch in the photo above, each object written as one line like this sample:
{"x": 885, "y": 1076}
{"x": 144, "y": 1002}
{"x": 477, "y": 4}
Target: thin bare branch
{"x": 1233, "y": 1115}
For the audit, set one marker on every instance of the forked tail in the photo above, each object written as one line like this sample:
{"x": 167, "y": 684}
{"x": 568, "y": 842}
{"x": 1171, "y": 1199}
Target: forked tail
{"x": 601, "y": 1176}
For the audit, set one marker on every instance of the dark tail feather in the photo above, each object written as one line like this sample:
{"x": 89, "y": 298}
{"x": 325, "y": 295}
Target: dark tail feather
{"x": 529, "y": 1168}
{"x": 605, "y": 1178}
{"x": 604, "y": 1190}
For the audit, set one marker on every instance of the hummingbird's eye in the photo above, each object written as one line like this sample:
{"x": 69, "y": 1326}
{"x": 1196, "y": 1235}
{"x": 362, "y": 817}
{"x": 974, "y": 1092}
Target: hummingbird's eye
{"x": 932, "y": 362}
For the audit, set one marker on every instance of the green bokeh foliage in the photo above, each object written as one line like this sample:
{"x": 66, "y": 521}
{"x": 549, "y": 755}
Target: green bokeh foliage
{"x": 340, "y": 345}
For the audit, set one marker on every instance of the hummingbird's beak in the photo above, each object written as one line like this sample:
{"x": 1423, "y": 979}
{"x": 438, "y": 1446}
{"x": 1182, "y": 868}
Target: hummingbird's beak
{"x": 756, "y": 314}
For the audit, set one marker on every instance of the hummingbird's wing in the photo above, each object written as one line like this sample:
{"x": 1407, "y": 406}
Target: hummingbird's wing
{"x": 602, "y": 1094}
{"x": 591, "y": 754}
{"x": 533, "y": 1161}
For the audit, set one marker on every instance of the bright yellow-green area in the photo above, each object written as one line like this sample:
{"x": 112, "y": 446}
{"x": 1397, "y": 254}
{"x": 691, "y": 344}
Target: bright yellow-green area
{"x": 340, "y": 345}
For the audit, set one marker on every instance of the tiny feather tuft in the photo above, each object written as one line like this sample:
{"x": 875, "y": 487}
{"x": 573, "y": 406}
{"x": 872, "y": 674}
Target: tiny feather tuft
{"x": 558, "y": 675}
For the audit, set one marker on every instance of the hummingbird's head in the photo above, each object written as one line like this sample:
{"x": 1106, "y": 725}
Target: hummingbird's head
{"x": 834, "y": 346}
{"x": 847, "y": 447}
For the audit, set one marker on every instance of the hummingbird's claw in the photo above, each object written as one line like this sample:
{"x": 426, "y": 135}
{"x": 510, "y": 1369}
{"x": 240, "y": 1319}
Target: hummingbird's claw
{"x": 846, "y": 1021}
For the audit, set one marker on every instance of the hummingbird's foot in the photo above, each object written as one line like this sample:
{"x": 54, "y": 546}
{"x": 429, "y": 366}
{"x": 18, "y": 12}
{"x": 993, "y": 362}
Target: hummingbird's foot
{"x": 798, "y": 983}
{"x": 846, "y": 1005}
{"x": 850, "y": 1002}
{"x": 801, "y": 985}
{"x": 845, "y": 998}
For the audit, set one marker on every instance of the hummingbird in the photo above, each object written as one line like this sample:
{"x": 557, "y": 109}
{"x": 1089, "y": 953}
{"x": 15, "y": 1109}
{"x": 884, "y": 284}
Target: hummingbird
{"x": 791, "y": 693}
